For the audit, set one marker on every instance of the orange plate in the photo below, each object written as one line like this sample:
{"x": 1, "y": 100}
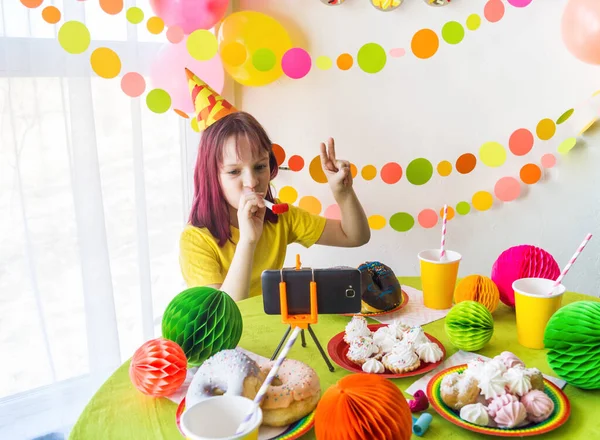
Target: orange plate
{"x": 402, "y": 304}
{"x": 338, "y": 348}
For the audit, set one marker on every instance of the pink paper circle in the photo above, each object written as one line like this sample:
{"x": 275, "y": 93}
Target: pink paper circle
{"x": 521, "y": 142}
{"x": 175, "y": 34}
{"x": 519, "y": 3}
{"x": 507, "y": 189}
{"x": 296, "y": 63}
{"x": 548, "y": 160}
{"x": 333, "y": 212}
{"x": 397, "y": 52}
{"x": 427, "y": 218}
{"x": 493, "y": 11}
{"x": 133, "y": 84}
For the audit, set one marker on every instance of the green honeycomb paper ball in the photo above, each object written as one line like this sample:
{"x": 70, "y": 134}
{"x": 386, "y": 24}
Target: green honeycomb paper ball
{"x": 203, "y": 321}
{"x": 572, "y": 338}
{"x": 469, "y": 325}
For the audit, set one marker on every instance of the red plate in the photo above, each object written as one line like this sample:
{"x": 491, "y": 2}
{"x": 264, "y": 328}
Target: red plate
{"x": 338, "y": 348}
{"x": 402, "y": 304}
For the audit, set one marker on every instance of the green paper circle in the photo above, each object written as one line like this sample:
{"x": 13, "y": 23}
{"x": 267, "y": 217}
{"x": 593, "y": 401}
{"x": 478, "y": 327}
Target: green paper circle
{"x": 463, "y": 208}
{"x": 419, "y": 171}
{"x": 202, "y": 321}
{"x": 74, "y": 37}
{"x": 134, "y": 15}
{"x": 469, "y": 325}
{"x": 158, "y": 100}
{"x": 371, "y": 58}
{"x": 453, "y": 32}
{"x": 566, "y": 115}
{"x": 402, "y": 221}
{"x": 264, "y": 59}
{"x": 572, "y": 338}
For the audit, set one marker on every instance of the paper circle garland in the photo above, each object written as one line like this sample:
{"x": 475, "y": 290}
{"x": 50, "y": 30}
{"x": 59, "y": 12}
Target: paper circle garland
{"x": 203, "y": 321}
{"x": 363, "y": 406}
{"x": 158, "y": 368}
{"x": 469, "y": 325}
{"x": 572, "y": 338}
{"x": 524, "y": 261}
{"x": 479, "y": 289}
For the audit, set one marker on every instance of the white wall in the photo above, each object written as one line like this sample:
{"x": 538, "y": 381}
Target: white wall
{"x": 503, "y": 76}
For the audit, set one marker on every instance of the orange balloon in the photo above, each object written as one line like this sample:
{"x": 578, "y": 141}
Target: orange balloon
{"x": 363, "y": 406}
{"x": 581, "y": 29}
{"x": 158, "y": 368}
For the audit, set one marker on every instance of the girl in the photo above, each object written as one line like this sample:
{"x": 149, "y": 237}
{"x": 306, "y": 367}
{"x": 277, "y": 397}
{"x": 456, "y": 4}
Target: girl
{"x": 232, "y": 237}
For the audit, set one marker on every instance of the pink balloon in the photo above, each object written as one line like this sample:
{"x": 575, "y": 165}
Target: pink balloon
{"x": 167, "y": 72}
{"x": 581, "y": 29}
{"x": 190, "y": 15}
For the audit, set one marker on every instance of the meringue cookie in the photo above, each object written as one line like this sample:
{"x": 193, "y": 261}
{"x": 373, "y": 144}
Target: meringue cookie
{"x": 416, "y": 336}
{"x": 500, "y": 401}
{"x": 398, "y": 328}
{"x": 511, "y": 415}
{"x": 517, "y": 381}
{"x": 362, "y": 348}
{"x": 492, "y": 385}
{"x": 538, "y": 405}
{"x": 373, "y": 366}
{"x": 429, "y": 352}
{"x": 474, "y": 367}
{"x": 510, "y": 360}
{"x": 475, "y": 413}
{"x": 385, "y": 338}
{"x": 356, "y": 328}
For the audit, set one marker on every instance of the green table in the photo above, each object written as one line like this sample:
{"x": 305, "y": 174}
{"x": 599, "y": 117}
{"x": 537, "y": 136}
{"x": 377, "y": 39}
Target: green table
{"x": 118, "y": 411}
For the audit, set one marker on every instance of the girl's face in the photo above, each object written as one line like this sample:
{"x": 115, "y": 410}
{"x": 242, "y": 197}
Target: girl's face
{"x": 243, "y": 173}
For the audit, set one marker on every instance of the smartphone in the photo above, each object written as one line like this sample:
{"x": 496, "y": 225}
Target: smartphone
{"x": 338, "y": 290}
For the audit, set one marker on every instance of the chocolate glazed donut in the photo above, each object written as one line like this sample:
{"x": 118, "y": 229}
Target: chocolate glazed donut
{"x": 381, "y": 290}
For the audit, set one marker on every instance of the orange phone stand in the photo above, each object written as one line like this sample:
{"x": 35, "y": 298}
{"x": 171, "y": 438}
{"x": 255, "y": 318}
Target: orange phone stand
{"x": 302, "y": 321}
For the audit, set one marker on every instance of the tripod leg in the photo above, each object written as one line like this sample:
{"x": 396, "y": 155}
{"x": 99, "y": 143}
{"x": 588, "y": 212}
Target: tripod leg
{"x": 287, "y": 332}
{"x": 327, "y": 361}
{"x": 303, "y": 339}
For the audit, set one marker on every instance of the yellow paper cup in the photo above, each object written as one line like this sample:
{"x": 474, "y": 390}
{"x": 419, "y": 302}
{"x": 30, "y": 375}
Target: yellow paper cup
{"x": 217, "y": 418}
{"x": 438, "y": 278}
{"x": 534, "y": 307}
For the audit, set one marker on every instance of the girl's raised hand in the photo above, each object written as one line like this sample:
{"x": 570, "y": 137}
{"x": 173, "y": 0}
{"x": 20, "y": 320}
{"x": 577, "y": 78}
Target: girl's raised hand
{"x": 337, "y": 171}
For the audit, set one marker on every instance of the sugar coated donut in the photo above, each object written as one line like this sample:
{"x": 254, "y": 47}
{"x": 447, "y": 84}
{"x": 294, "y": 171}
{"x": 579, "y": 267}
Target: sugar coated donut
{"x": 293, "y": 394}
{"x": 228, "y": 372}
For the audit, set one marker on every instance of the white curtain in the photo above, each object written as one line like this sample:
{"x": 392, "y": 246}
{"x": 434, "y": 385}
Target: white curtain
{"x": 94, "y": 192}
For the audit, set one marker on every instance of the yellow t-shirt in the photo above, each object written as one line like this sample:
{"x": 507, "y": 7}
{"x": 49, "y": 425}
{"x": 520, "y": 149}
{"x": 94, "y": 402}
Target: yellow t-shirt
{"x": 203, "y": 262}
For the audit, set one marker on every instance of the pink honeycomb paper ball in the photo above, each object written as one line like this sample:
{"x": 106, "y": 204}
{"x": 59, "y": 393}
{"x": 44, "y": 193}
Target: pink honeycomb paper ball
{"x": 524, "y": 261}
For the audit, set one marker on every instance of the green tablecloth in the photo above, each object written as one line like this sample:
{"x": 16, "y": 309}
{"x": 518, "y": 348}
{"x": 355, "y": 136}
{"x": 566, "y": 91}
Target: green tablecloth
{"x": 118, "y": 411}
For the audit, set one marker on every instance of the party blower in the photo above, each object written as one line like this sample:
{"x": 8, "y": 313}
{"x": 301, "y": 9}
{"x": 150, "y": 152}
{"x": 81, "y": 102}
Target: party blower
{"x": 277, "y": 208}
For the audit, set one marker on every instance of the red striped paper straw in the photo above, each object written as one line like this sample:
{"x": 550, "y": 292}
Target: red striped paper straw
{"x": 573, "y": 258}
{"x": 263, "y": 389}
{"x": 443, "y": 244}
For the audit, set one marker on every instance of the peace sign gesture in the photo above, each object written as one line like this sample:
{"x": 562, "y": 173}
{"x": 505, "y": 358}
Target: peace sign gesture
{"x": 337, "y": 171}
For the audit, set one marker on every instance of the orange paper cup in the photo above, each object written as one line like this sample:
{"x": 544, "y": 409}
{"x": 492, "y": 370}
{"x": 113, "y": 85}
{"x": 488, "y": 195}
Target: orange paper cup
{"x": 438, "y": 278}
{"x": 534, "y": 307}
{"x": 219, "y": 418}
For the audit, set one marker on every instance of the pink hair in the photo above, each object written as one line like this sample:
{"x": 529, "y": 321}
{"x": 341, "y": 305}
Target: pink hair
{"x": 209, "y": 208}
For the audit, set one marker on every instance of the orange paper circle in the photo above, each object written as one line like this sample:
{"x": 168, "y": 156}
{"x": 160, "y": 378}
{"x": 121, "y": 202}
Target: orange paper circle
{"x": 425, "y": 43}
{"x": 155, "y": 25}
{"x": 296, "y": 163}
{"x": 530, "y": 173}
{"x": 368, "y": 172}
{"x": 466, "y": 163}
{"x": 345, "y": 61}
{"x": 279, "y": 154}
{"x": 391, "y": 173}
{"x": 51, "y": 15}
{"x": 450, "y": 213}
{"x": 310, "y": 204}
{"x": 316, "y": 170}
{"x": 444, "y": 168}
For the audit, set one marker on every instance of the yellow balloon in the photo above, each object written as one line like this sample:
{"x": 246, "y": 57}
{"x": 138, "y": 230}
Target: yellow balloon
{"x": 251, "y": 46}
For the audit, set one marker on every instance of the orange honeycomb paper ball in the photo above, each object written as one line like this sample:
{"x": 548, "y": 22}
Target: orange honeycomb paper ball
{"x": 480, "y": 289}
{"x": 363, "y": 406}
{"x": 158, "y": 368}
